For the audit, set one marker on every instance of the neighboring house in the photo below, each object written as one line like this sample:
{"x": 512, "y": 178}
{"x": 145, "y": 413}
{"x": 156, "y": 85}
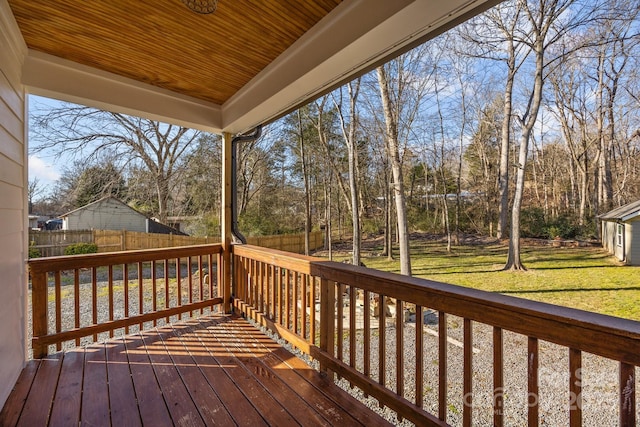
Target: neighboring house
{"x": 110, "y": 213}
{"x": 621, "y": 232}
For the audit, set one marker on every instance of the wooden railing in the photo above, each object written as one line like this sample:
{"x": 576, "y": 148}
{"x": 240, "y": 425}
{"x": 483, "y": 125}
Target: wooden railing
{"x": 332, "y": 312}
{"x": 84, "y": 297}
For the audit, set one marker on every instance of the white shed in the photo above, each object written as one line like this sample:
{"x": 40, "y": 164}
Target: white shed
{"x": 621, "y": 232}
{"x": 107, "y": 213}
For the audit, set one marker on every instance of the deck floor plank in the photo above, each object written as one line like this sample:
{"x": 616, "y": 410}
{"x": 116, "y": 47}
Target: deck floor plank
{"x": 250, "y": 355}
{"x": 308, "y": 384}
{"x": 268, "y": 407}
{"x": 15, "y": 402}
{"x": 65, "y": 410}
{"x": 38, "y": 403}
{"x": 339, "y": 397}
{"x": 215, "y": 370}
{"x": 241, "y": 409}
{"x": 181, "y": 407}
{"x": 95, "y": 390}
{"x": 210, "y": 407}
{"x": 122, "y": 395}
{"x": 151, "y": 405}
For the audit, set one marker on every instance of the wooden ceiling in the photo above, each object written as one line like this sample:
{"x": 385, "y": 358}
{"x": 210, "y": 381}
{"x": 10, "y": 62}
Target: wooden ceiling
{"x": 164, "y": 44}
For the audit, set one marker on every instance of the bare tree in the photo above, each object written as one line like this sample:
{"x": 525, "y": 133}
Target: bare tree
{"x": 349, "y": 131}
{"x": 89, "y": 133}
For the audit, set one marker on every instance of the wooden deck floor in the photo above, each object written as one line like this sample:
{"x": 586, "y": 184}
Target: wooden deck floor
{"x": 216, "y": 370}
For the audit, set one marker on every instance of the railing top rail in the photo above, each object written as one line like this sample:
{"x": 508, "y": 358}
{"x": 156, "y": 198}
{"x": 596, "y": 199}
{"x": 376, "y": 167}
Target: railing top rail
{"x": 607, "y": 336}
{"x": 39, "y": 265}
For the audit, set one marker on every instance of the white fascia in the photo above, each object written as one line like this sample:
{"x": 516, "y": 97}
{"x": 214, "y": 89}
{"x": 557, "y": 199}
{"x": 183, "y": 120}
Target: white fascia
{"x": 57, "y": 78}
{"x": 354, "y": 36}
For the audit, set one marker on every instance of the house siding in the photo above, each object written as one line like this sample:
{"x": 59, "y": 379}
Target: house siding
{"x": 632, "y": 241}
{"x": 13, "y": 210}
{"x": 108, "y": 214}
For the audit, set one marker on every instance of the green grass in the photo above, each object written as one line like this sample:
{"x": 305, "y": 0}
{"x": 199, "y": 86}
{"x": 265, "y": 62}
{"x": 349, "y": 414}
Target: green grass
{"x": 585, "y": 278}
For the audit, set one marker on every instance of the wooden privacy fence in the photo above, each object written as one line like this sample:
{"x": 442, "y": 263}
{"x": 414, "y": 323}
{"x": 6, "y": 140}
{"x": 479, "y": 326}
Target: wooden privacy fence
{"x": 53, "y": 243}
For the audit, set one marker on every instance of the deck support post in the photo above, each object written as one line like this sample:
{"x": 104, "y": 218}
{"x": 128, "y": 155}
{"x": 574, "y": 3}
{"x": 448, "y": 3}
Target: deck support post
{"x": 226, "y": 220}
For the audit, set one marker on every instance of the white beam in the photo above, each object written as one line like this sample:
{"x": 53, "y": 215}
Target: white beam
{"x": 57, "y": 78}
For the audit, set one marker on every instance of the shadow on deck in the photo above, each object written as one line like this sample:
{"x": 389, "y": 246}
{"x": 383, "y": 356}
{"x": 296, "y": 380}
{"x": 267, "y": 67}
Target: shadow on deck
{"x": 215, "y": 370}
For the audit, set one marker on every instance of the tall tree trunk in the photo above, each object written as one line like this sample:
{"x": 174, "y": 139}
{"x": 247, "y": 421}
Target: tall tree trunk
{"x": 396, "y": 168}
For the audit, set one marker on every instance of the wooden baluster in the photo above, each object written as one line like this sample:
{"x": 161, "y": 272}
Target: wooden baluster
{"x": 110, "y": 284}
{"x": 76, "y": 299}
{"x": 223, "y": 287}
{"x": 366, "y": 324}
{"x": 312, "y": 310}
{"x": 58, "y": 305}
{"x": 125, "y": 286}
{"x": 532, "y": 382}
{"x": 302, "y": 285}
{"x": 167, "y": 296}
{"x": 220, "y": 279}
{"x": 339, "y": 318}
{"x": 399, "y": 348}
{"x": 467, "y": 381}
{"x": 627, "y": 395}
{"x": 287, "y": 313}
{"x": 442, "y": 366}
{"x": 498, "y": 378}
{"x": 40, "y": 311}
{"x": 154, "y": 290}
{"x": 419, "y": 356}
{"x": 575, "y": 387}
{"x": 353, "y": 301}
{"x": 327, "y": 319}
{"x": 270, "y": 289}
{"x": 140, "y": 292}
{"x": 279, "y": 285}
{"x": 179, "y": 286}
{"x": 190, "y": 280}
{"x": 94, "y": 299}
{"x": 201, "y": 280}
{"x": 382, "y": 345}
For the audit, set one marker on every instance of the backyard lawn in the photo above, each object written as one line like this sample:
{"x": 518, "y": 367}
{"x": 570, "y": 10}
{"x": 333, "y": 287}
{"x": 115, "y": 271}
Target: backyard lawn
{"x": 586, "y": 278}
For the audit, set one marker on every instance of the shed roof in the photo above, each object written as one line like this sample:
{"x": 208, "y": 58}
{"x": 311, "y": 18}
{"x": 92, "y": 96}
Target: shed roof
{"x": 623, "y": 213}
{"x": 101, "y": 201}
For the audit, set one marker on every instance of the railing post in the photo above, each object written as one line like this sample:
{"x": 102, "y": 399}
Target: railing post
{"x": 327, "y": 319}
{"x": 40, "y": 308}
{"x": 227, "y": 195}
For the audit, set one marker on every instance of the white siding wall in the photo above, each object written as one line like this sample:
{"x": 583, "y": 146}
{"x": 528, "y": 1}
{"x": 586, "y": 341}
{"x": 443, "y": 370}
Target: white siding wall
{"x": 108, "y": 214}
{"x": 609, "y": 236}
{"x": 632, "y": 241}
{"x": 13, "y": 212}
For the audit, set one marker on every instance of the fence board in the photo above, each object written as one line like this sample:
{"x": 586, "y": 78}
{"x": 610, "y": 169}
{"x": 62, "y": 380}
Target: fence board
{"x": 53, "y": 243}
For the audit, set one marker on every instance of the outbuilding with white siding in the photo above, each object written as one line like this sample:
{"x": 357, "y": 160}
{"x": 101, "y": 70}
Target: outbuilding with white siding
{"x": 621, "y": 232}
{"x": 110, "y": 213}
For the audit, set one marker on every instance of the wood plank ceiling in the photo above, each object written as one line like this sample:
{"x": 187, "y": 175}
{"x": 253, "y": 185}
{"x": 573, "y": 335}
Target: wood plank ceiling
{"x": 164, "y": 44}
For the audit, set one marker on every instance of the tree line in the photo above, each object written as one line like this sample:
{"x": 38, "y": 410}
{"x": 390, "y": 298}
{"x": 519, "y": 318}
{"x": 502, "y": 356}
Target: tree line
{"x": 523, "y": 121}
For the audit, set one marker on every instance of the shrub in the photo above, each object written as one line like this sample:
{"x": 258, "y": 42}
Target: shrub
{"x": 81, "y": 248}
{"x": 34, "y": 252}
